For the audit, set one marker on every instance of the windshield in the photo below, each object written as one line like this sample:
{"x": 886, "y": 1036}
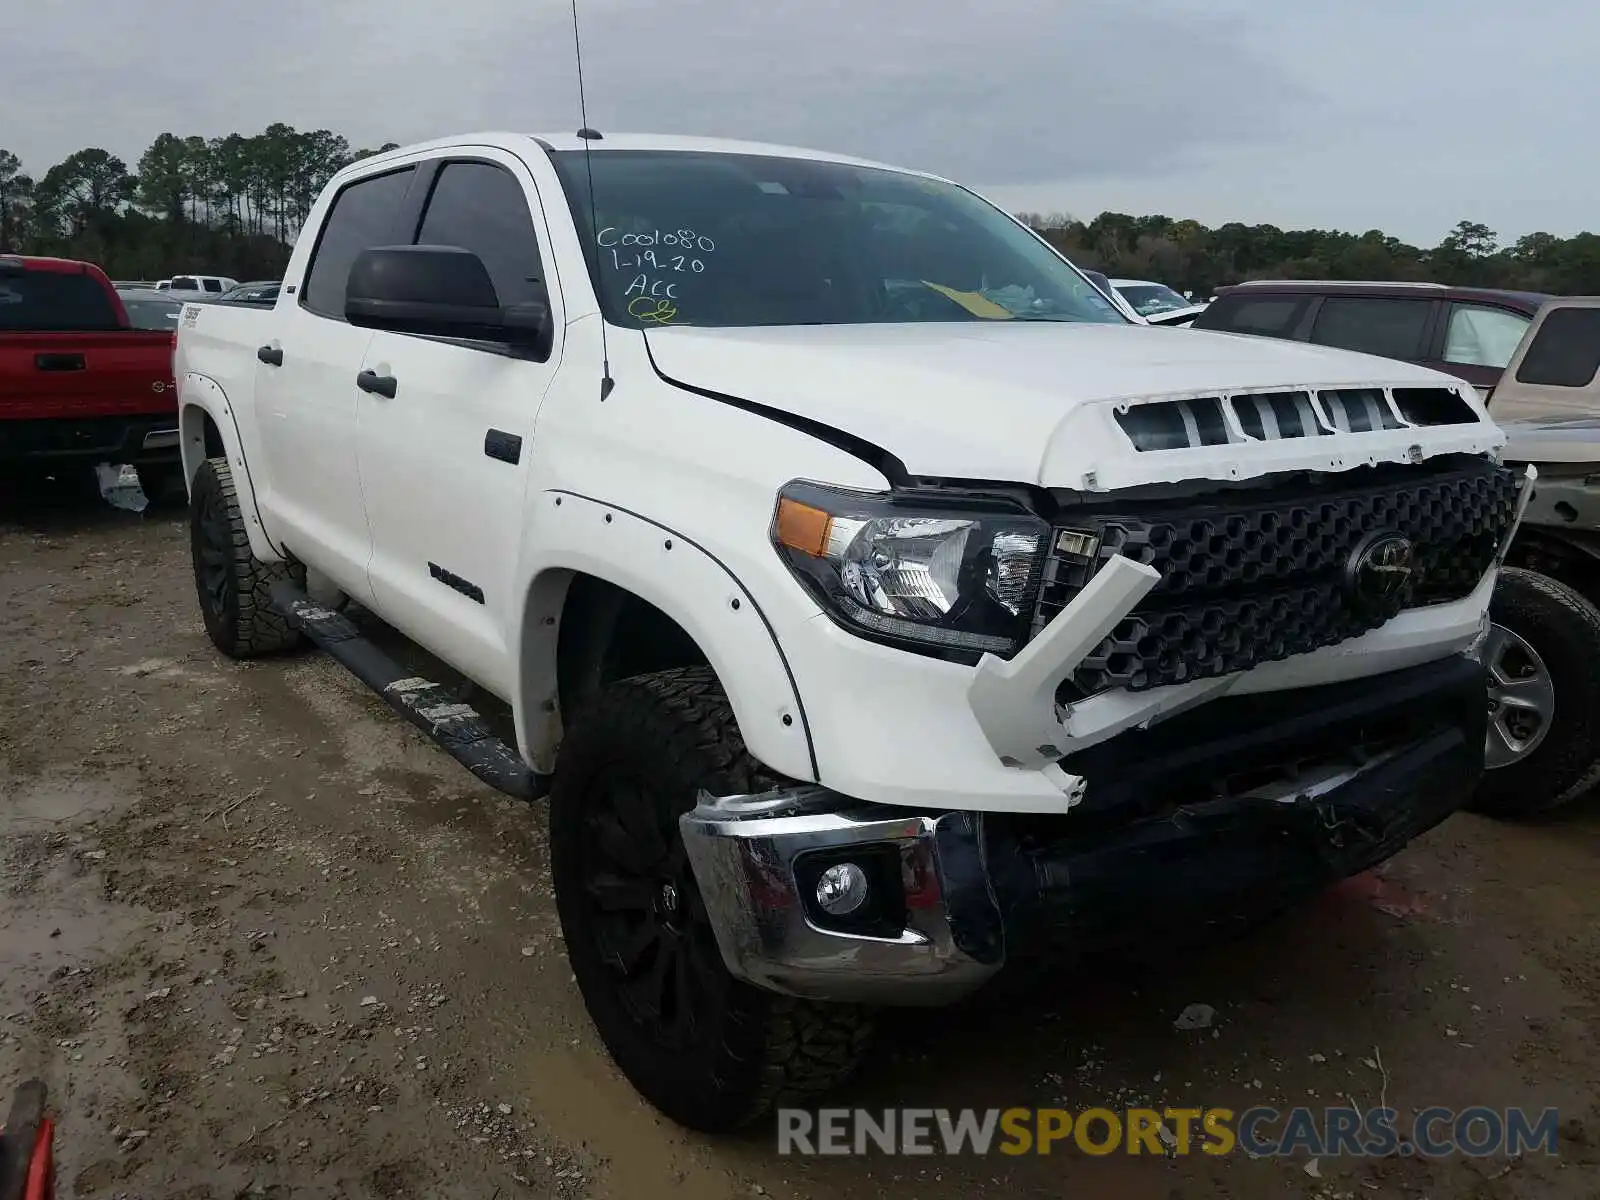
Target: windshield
{"x": 1148, "y": 298}
{"x": 150, "y": 312}
{"x": 689, "y": 238}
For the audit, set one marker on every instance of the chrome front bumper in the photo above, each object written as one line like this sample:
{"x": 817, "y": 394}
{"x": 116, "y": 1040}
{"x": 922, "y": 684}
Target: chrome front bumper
{"x": 751, "y": 853}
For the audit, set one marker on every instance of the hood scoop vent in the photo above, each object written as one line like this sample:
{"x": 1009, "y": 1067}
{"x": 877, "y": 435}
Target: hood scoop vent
{"x": 1189, "y": 423}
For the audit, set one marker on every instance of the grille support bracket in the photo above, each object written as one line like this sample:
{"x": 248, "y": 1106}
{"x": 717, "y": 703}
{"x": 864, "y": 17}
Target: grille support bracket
{"x": 1014, "y": 699}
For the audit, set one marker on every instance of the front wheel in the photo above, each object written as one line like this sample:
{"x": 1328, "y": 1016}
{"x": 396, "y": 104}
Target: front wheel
{"x": 709, "y": 1051}
{"x": 230, "y": 582}
{"x": 1543, "y": 659}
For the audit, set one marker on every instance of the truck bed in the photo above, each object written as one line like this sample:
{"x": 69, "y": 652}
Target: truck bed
{"x": 220, "y": 340}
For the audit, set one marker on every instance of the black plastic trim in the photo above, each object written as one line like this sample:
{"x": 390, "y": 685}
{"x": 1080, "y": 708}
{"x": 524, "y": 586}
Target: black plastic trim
{"x": 455, "y": 582}
{"x": 883, "y": 915}
{"x": 1069, "y": 887}
{"x": 1234, "y": 733}
{"x": 873, "y": 455}
{"x": 379, "y": 385}
{"x": 506, "y": 447}
{"x": 799, "y": 700}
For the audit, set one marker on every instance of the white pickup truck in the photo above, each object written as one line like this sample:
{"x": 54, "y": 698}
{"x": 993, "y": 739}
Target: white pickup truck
{"x": 877, "y": 605}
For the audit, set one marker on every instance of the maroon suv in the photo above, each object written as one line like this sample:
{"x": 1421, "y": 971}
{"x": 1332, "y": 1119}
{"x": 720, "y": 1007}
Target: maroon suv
{"x": 1469, "y": 332}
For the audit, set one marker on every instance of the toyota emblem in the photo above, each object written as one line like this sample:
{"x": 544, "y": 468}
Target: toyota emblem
{"x": 1378, "y": 574}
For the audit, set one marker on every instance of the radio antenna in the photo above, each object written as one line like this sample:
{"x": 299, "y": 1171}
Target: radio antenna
{"x": 590, "y": 135}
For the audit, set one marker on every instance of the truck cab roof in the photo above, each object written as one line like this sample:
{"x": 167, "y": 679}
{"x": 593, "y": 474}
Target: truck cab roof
{"x": 636, "y": 141}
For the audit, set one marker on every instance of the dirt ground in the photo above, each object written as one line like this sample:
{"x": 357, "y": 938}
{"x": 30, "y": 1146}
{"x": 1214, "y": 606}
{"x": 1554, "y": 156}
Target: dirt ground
{"x": 261, "y": 938}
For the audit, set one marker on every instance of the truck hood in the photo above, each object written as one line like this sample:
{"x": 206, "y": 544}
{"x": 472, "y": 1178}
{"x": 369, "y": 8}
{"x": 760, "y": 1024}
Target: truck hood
{"x": 986, "y": 401}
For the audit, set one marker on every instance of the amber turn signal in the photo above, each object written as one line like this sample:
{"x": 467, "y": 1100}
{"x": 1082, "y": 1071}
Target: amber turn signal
{"x": 803, "y": 528}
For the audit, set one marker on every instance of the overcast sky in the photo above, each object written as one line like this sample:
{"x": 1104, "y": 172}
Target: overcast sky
{"x": 1352, "y": 114}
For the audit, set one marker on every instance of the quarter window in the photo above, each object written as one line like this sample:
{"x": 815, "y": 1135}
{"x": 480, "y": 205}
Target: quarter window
{"x": 364, "y": 214}
{"x": 1385, "y": 327}
{"x": 482, "y": 208}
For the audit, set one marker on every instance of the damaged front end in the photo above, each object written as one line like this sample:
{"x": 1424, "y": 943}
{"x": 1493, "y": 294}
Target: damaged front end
{"x": 1230, "y": 812}
{"x": 1243, "y": 690}
{"x": 1214, "y": 819}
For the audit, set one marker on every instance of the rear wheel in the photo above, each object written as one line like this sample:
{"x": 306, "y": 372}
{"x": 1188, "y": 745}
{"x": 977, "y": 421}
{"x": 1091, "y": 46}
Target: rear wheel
{"x": 709, "y": 1051}
{"x": 230, "y": 582}
{"x": 1543, "y": 659}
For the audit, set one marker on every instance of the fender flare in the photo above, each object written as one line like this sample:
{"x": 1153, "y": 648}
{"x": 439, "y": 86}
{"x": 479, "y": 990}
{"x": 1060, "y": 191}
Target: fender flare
{"x": 202, "y": 397}
{"x": 569, "y": 533}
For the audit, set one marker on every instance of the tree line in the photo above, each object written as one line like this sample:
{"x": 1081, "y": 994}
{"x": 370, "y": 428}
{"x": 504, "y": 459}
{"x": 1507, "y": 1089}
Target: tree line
{"x": 1191, "y": 257}
{"x": 233, "y": 205}
{"x": 226, "y": 205}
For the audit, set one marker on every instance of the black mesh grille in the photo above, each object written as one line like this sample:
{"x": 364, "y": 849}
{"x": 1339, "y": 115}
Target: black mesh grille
{"x": 1255, "y": 575}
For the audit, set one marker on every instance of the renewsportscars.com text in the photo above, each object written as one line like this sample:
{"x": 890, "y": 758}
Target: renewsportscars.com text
{"x": 1258, "y": 1132}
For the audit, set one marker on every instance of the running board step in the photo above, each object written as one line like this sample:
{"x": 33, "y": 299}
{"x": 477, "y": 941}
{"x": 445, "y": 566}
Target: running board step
{"x": 457, "y": 727}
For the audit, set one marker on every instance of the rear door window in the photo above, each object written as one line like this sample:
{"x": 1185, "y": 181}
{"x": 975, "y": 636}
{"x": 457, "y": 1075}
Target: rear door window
{"x": 365, "y": 214}
{"x": 185, "y": 283}
{"x": 1389, "y": 328}
{"x": 1268, "y": 316}
{"x": 54, "y": 302}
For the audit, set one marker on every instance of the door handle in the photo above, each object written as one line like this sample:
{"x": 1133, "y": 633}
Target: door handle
{"x": 271, "y": 356}
{"x": 382, "y": 385}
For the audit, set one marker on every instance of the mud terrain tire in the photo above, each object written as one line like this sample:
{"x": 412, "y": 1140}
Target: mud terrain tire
{"x": 230, "y": 582}
{"x": 711, "y": 1052}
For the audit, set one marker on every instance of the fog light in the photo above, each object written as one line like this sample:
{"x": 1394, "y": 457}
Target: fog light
{"x": 842, "y": 889}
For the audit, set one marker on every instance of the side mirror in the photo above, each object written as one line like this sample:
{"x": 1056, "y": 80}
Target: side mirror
{"x": 439, "y": 291}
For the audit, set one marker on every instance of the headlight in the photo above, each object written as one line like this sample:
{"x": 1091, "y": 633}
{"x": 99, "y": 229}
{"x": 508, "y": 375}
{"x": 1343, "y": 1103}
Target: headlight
{"x": 960, "y": 573}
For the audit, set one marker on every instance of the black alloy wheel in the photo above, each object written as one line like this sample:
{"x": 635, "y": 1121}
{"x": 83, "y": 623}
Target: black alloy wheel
{"x": 647, "y": 915}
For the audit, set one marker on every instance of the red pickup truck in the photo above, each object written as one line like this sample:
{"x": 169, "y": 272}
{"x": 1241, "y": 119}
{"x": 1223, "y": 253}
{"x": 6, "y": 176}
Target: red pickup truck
{"x": 78, "y": 384}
